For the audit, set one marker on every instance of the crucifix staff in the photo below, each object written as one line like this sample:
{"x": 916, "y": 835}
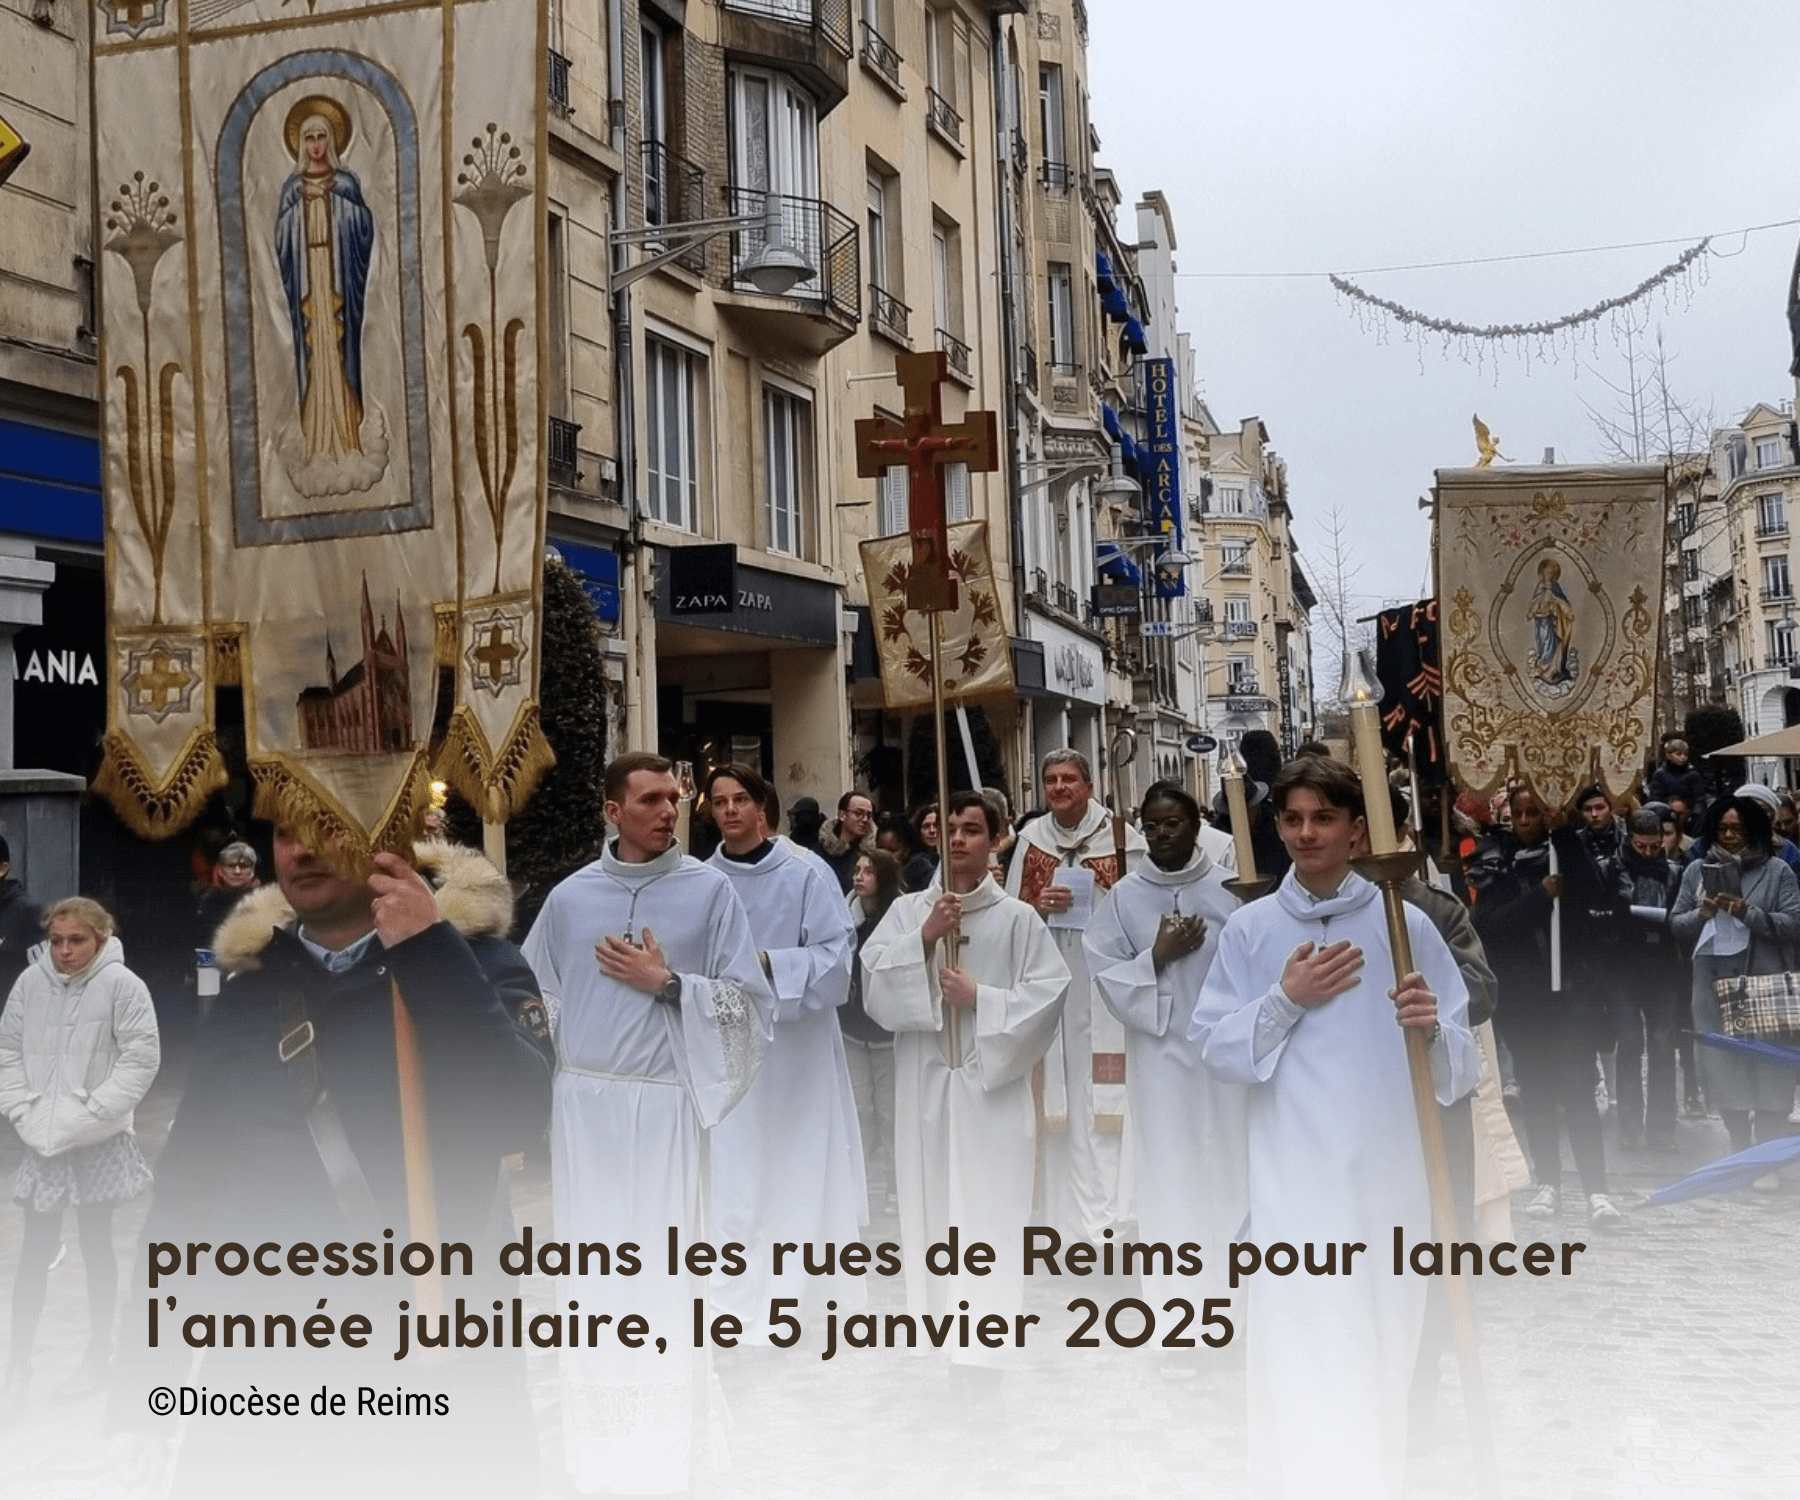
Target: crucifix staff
{"x": 922, "y": 443}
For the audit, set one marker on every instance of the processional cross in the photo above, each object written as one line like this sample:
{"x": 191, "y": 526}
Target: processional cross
{"x": 923, "y": 442}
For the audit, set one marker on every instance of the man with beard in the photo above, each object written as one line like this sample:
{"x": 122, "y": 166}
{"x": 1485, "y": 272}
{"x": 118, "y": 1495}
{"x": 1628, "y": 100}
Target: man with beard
{"x": 1148, "y": 950}
{"x": 1076, "y": 846}
{"x": 787, "y": 1163}
{"x": 1651, "y": 978}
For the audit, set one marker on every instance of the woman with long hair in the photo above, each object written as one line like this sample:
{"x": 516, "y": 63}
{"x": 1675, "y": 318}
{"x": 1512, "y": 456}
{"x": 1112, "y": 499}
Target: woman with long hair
{"x": 1739, "y": 910}
{"x": 78, "y": 1050}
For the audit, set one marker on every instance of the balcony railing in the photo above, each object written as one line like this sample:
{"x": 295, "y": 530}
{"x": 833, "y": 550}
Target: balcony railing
{"x": 1028, "y": 370}
{"x": 1063, "y": 371}
{"x": 1778, "y": 593}
{"x": 955, "y": 351}
{"x": 829, "y": 241}
{"x": 1067, "y": 600}
{"x": 1056, "y": 174}
{"x": 1771, "y": 528}
{"x": 564, "y": 451}
{"x": 879, "y": 56}
{"x": 1235, "y": 567}
{"x": 674, "y": 193}
{"x": 942, "y": 117}
{"x": 831, "y": 17}
{"x": 888, "y": 314}
{"x": 1040, "y": 583}
{"x": 1779, "y": 660}
{"x": 558, "y": 79}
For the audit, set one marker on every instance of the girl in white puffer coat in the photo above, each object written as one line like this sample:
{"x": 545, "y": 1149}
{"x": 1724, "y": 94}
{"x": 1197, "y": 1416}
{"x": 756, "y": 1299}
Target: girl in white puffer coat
{"x": 78, "y": 1050}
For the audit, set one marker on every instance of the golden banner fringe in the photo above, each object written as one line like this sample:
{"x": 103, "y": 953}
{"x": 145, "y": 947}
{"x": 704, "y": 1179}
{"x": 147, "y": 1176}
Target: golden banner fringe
{"x": 446, "y": 634}
{"x": 153, "y": 809}
{"x": 496, "y": 786}
{"x": 297, "y": 807}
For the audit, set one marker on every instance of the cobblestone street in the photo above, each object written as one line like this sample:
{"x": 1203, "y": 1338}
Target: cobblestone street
{"x": 1668, "y": 1364}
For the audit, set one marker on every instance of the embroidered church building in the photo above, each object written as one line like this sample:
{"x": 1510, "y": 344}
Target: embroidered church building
{"x": 367, "y": 711}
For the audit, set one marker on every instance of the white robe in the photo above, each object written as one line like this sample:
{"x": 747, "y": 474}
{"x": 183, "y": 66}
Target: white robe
{"x": 1187, "y": 1129}
{"x": 965, "y": 1139}
{"x": 1084, "y": 1097}
{"x": 787, "y": 1163}
{"x": 638, "y": 1082}
{"x": 1334, "y": 1157}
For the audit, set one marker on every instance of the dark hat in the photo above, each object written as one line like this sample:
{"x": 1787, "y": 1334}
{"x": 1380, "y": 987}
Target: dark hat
{"x": 803, "y": 805}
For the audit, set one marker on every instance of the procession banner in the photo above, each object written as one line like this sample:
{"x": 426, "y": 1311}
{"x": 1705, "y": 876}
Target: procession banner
{"x": 321, "y": 229}
{"x": 1550, "y": 581}
{"x": 1407, "y": 666}
{"x": 975, "y": 648}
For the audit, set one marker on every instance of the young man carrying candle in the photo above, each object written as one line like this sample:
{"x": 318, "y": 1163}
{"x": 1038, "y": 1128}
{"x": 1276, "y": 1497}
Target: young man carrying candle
{"x": 1302, "y": 1007}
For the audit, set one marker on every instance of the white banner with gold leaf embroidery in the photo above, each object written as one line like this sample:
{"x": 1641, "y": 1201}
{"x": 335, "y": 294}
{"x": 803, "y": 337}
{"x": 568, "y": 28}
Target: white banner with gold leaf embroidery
{"x": 1550, "y": 583}
{"x": 320, "y": 335}
{"x": 975, "y": 647}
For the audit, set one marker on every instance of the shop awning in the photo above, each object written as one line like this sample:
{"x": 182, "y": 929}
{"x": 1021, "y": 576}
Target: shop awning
{"x": 1111, "y": 560}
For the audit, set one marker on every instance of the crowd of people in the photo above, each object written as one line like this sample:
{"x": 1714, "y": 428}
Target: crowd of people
{"x": 1085, "y": 1019}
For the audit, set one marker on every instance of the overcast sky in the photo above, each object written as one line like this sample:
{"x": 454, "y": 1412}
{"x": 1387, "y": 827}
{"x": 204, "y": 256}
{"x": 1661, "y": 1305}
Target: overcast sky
{"x": 1318, "y": 136}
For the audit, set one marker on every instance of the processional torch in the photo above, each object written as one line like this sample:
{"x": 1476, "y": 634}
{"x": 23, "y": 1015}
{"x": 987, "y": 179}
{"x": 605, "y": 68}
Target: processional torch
{"x": 1389, "y": 866}
{"x": 1247, "y": 884}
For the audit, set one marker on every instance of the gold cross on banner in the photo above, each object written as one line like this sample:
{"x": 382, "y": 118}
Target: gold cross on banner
{"x": 160, "y": 682}
{"x": 923, "y": 443}
{"x": 497, "y": 655}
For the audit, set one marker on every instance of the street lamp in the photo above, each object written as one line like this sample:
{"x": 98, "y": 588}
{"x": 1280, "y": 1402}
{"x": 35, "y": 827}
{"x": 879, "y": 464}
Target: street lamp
{"x": 775, "y": 270}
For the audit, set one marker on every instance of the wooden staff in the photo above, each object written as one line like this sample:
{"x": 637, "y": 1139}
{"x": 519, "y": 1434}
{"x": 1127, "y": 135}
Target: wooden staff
{"x": 951, "y": 939}
{"x": 415, "y": 1138}
{"x": 1390, "y": 867}
{"x": 1127, "y": 736}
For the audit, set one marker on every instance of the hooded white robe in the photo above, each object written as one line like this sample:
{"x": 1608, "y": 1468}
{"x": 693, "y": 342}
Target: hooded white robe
{"x": 1187, "y": 1129}
{"x": 1334, "y": 1157}
{"x": 965, "y": 1139}
{"x": 638, "y": 1083}
{"x": 1085, "y": 1071}
{"x": 787, "y": 1163}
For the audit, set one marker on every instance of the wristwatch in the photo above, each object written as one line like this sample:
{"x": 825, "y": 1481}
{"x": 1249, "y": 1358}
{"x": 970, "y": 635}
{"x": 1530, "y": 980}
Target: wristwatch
{"x": 669, "y": 991}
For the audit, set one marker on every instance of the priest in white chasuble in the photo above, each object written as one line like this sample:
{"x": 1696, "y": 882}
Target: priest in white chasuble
{"x": 1065, "y": 864}
{"x": 787, "y": 1162}
{"x": 1302, "y": 1008}
{"x": 662, "y": 1016}
{"x": 965, "y": 1136}
{"x": 1149, "y": 948}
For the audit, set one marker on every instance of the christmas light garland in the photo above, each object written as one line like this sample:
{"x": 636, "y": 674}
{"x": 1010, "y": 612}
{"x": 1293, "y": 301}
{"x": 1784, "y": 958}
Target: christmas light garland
{"x": 1542, "y": 337}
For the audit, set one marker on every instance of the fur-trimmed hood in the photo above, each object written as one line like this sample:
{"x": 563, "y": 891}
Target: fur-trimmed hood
{"x": 472, "y": 895}
{"x": 832, "y": 842}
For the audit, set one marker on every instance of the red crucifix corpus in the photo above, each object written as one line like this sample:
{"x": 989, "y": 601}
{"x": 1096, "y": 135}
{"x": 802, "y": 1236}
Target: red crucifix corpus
{"x": 923, "y": 442}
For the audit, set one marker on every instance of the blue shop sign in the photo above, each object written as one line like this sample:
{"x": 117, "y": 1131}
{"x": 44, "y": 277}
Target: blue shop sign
{"x": 1159, "y": 468}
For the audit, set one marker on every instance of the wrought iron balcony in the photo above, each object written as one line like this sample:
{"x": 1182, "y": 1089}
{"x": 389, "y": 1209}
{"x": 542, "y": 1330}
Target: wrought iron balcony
{"x": 831, "y": 17}
{"x": 558, "y": 79}
{"x": 827, "y": 240}
{"x": 1040, "y": 583}
{"x": 879, "y": 56}
{"x": 1056, "y": 174}
{"x": 1067, "y": 600}
{"x": 812, "y": 40}
{"x": 942, "y": 117}
{"x": 1771, "y": 528}
{"x": 888, "y": 315}
{"x": 956, "y": 352}
{"x": 1777, "y": 659}
{"x": 1235, "y": 567}
{"x": 564, "y": 451}
{"x": 674, "y": 193}
{"x": 1778, "y": 593}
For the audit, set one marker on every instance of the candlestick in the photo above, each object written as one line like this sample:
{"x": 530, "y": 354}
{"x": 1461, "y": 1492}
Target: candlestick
{"x": 1239, "y": 805}
{"x": 1362, "y": 696}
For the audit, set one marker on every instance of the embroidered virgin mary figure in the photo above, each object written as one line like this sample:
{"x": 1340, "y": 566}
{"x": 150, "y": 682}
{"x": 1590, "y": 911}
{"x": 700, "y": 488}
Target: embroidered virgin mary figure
{"x": 324, "y": 241}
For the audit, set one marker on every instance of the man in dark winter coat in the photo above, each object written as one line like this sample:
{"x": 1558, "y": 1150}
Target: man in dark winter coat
{"x": 1552, "y": 1034}
{"x": 1652, "y": 980}
{"x": 300, "y": 1123}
